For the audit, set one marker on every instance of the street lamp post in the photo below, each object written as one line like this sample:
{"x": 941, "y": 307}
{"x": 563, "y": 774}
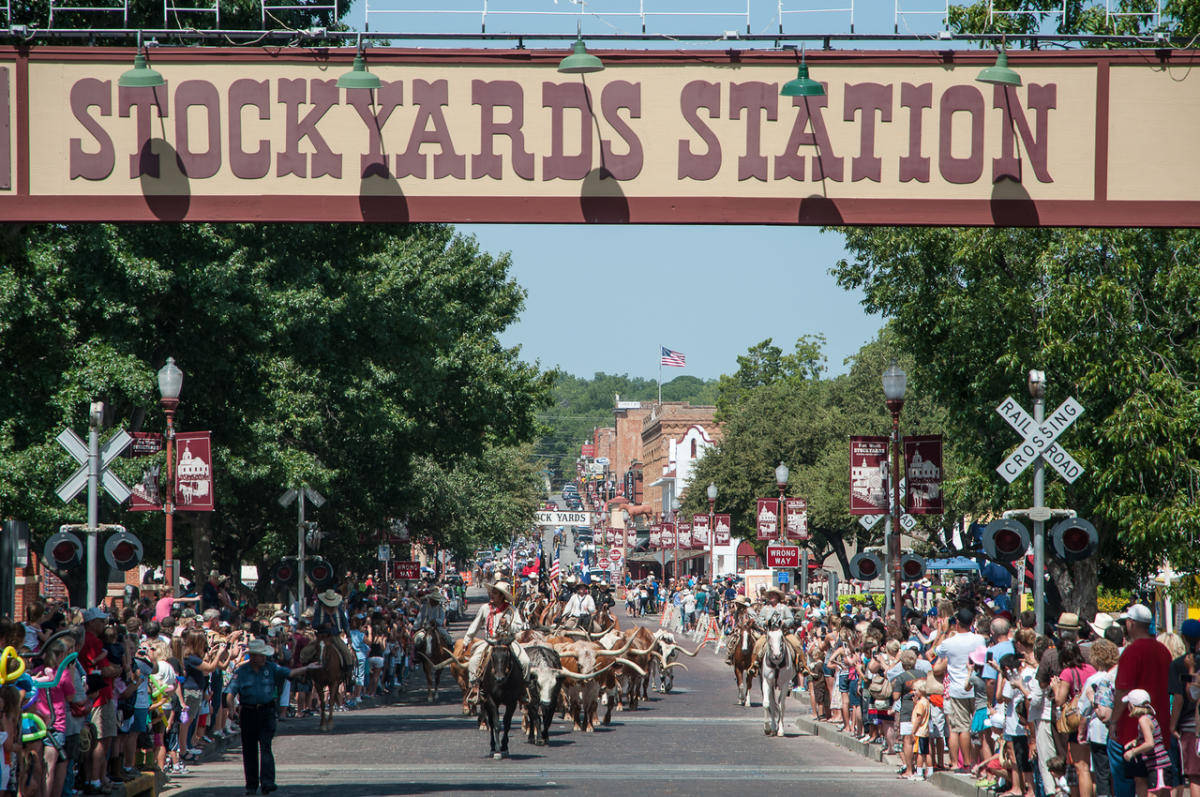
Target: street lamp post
{"x": 895, "y": 381}
{"x": 711, "y": 492}
{"x": 675, "y": 507}
{"x": 781, "y": 481}
{"x": 170, "y": 382}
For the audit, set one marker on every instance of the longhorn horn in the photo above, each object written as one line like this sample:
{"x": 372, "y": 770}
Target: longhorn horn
{"x": 683, "y": 650}
{"x": 450, "y": 662}
{"x": 621, "y": 652}
{"x": 630, "y": 665}
{"x": 675, "y": 664}
{"x": 578, "y": 676}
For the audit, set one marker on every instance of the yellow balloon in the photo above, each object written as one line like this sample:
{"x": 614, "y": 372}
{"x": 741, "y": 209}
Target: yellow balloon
{"x": 7, "y": 676}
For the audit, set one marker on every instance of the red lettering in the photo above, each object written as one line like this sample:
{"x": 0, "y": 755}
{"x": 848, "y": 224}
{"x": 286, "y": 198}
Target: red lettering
{"x": 144, "y": 162}
{"x": 92, "y": 93}
{"x": 558, "y": 97}
{"x": 965, "y": 99}
{"x": 490, "y": 95}
{"x": 390, "y": 95}
{"x": 825, "y": 163}
{"x": 1042, "y": 99}
{"x": 198, "y": 93}
{"x": 754, "y": 97}
{"x": 248, "y": 93}
{"x": 694, "y": 96}
{"x": 915, "y": 166}
{"x": 431, "y": 98}
{"x": 867, "y": 98}
{"x": 617, "y": 95}
{"x": 324, "y": 95}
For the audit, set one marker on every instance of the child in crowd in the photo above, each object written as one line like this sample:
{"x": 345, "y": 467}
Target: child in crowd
{"x": 922, "y": 710}
{"x": 1149, "y": 746}
{"x": 1060, "y": 787}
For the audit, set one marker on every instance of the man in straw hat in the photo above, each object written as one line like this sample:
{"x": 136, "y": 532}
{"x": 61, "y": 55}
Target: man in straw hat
{"x": 775, "y": 612}
{"x": 496, "y": 619}
{"x": 739, "y": 612}
{"x": 257, "y": 685}
{"x": 581, "y": 607}
{"x": 432, "y": 613}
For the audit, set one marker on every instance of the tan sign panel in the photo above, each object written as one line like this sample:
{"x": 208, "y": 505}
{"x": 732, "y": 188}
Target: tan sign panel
{"x": 900, "y": 138}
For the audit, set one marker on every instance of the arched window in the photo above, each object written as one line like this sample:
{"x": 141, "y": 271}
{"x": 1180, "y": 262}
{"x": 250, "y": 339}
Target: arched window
{"x": 693, "y": 448}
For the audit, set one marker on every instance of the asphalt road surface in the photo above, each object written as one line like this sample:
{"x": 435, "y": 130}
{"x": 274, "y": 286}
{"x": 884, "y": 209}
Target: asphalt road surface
{"x": 695, "y": 741}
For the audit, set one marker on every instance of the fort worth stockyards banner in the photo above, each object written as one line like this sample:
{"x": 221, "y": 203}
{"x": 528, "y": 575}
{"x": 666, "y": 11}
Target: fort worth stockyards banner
{"x": 700, "y": 137}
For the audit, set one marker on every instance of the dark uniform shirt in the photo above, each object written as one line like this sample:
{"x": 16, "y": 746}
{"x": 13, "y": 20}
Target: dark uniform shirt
{"x": 256, "y": 688}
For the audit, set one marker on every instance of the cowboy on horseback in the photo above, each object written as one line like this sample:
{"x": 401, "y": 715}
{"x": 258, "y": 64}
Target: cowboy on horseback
{"x": 741, "y": 616}
{"x": 581, "y": 607}
{"x": 497, "y": 619}
{"x": 432, "y": 614}
{"x": 328, "y": 612}
{"x": 780, "y": 615}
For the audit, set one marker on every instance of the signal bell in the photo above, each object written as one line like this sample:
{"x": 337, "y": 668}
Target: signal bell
{"x": 1005, "y": 540}
{"x": 123, "y": 551}
{"x": 1074, "y": 539}
{"x": 912, "y": 567}
{"x": 63, "y": 551}
{"x": 866, "y": 567}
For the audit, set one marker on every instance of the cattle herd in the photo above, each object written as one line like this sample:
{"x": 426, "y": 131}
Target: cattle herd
{"x": 575, "y": 673}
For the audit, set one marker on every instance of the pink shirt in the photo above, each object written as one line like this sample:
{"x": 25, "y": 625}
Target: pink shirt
{"x": 59, "y": 696}
{"x": 162, "y": 608}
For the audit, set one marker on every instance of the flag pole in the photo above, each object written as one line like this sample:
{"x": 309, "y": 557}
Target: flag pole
{"x": 660, "y": 348}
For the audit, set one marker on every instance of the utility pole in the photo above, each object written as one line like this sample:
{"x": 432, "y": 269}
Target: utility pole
{"x": 95, "y": 418}
{"x": 300, "y": 494}
{"x": 1037, "y": 389}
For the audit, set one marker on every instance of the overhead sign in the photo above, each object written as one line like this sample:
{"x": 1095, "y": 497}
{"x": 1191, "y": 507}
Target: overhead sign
{"x": 559, "y": 518}
{"x": 1039, "y": 440}
{"x": 109, "y": 450}
{"x": 406, "y": 570}
{"x": 657, "y": 137}
{"x": 783, "y": 556}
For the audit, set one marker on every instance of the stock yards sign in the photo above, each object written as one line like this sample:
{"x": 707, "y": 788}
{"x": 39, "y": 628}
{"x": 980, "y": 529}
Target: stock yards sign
{"x": 657, "y": 137}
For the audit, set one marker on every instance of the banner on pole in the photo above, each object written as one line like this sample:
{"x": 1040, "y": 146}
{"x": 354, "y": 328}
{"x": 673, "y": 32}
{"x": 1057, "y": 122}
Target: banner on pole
{"x": 923, "y": 472}
{"x": 146, "y": 495}
{"x": 701, "y": 532}
{"x": 193, "y": 472}
{"x": 796, "y": 514}
{"x": 668, "y": 535}
{"x": 722, "y": 525}
{"x": 766, "y": 518}
{"x": 868, "y": 475}
{"x": 655, "y": 537}
{"x": 683, "y": 533}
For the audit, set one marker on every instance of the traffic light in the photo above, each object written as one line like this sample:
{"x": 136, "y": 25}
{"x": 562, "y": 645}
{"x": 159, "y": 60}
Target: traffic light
{"x": 912, "y": 567}
{"x": 123, "y": 551}
{"x": 321, "y": 573}
{"x": 866, "y": 567}
{"x": 1005, "y": 540}
{"x": 63, "y": 551}
{"x": 283, "y": 573}
{"x": 1074, "y": 539}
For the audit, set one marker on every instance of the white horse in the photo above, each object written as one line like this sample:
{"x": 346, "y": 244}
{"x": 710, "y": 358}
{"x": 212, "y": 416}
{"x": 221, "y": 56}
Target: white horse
{"x": 777, "y": 669}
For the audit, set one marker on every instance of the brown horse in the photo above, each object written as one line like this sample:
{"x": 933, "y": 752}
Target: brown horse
{"x": 742, "y": 640}
{"x": 329, "y": 677}
{"x": 432, "y": 649}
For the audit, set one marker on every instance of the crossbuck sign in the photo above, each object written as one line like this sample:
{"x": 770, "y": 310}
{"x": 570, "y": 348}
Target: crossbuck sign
{"x": 1039, "y": 440}
{"x": 78, "y": 449}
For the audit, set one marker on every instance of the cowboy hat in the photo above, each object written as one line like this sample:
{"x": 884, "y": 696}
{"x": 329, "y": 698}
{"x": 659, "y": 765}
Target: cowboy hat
{"x": 933, "y": 686}
{"x": 259, "y": 648}
{"x": 434, "y": 596}
{"x": 1068, "y": 621}
{"x": 330, "y": 598}
{"x": 1104, "y": 621}
{"x": 504, "y": 588}
{"x": 774, "y": 591}
{"x": 742, "y": 600}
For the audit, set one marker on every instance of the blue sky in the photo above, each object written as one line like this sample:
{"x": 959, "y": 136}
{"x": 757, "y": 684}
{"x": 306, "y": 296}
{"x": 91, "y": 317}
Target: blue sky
{"x": 601, "y": 298}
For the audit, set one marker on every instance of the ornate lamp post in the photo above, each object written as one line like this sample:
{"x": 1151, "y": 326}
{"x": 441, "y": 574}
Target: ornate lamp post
{"x": 675, "y": 507}
{"x": 711, "y": 492}
{"x": 170, "y": 382}
{"x": 895, "y": 382}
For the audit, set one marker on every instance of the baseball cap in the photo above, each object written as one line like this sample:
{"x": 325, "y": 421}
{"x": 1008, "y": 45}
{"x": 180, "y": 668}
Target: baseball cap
{"x": 1138, "y": 697}
{"x": 1139, "y": 614}
{"x": 1190, "y": 628}
{"x": 94, "y": 613}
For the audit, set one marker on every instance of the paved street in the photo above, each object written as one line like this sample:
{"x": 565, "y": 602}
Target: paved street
{"x": 692, "y": 742}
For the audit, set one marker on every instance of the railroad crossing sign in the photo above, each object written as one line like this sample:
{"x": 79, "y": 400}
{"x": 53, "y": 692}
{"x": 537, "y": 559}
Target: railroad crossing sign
{"x": 1040, "y": 440}
{"x": 108, "y": 452}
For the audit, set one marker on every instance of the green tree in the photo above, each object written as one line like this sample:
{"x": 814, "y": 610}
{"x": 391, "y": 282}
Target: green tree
{"x": 1110, "y": 316}
{"x": 765, "y": 363}
{"x": 323, "y": 354}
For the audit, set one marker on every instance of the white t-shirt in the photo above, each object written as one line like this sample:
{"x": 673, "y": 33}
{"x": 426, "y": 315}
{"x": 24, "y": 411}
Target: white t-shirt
{"x": 956, "y": 649}
{"x": 1097, "y": 730}
{"x": 1013, "y": 699}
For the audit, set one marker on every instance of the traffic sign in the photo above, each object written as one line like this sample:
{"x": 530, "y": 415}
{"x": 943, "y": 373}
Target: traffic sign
{"x": 604, "y": 562}
{"x": 385, "y": 552}
{"x": 1039, "y": 441}
{"x": 409, "y": 570}
{"x": 615, "y": 555}
{"x": 109, "y": 451}
{"x": 868, "y": 521}
{"x": 783, "y": 556}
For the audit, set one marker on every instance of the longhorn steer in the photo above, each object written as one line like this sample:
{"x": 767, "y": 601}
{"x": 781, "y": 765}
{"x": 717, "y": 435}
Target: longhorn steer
{"x": 542, "y": 692}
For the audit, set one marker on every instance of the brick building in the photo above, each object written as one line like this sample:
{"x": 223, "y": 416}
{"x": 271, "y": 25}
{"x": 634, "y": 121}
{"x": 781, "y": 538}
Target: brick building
{"x": 675, "y": 435}
{"x": 626, "y": 458}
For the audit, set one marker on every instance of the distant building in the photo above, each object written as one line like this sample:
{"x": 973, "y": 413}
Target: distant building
{"x": 675, "y": 436}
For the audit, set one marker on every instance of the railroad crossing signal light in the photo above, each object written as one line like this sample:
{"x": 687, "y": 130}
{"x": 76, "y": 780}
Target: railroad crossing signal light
{"x": 284, "y": 571}
{"x": 321, "y": 573}
{"x": 1074, "y": 539}
{"x": 63, "y": 551}
{"x": 912, "y": 567}
{"x": 1005, "y": 540}
{"x": 123, "y": 551}
{"x": 866, "y": 567}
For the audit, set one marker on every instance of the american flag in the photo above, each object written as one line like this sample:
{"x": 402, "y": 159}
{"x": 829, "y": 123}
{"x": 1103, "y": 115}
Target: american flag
{"x": 555, "y": 573}
{"x": 672, "y": 358}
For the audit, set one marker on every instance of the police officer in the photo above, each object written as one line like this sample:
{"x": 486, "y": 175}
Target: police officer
{"x": 257, "y": 685}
